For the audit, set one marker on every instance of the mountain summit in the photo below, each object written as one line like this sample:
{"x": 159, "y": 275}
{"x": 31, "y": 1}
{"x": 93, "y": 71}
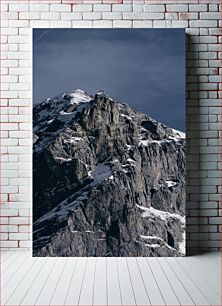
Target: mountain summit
{"x": 108, "y": 180}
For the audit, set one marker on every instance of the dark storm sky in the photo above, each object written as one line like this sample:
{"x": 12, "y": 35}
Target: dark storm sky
{"x": 142, "y": 67}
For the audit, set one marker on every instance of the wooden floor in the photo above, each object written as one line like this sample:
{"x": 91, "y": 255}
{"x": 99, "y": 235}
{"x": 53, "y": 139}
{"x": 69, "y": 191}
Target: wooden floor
{"x": 110, "y": 281}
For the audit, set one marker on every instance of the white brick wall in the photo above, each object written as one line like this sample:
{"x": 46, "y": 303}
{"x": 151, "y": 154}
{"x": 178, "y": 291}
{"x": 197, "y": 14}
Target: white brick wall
{"x": 201, "y": 20}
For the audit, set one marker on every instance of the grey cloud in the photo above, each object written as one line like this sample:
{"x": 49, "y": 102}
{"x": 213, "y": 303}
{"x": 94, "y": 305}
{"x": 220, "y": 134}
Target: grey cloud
{"x": 144, "y": 68}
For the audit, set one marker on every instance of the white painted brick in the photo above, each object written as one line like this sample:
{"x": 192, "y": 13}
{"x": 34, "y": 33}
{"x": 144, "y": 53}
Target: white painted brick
{"x": 17, "y": 150}
{"x": 29, "y": 15}
{"x": 18, "y": 23}
{"x": 138, "y": 23}
{"x": 102, "y": 7}
{"x": 147, "y": 24}
{"x": 9, "y": 63}
{"x": 137, "y": 7}
{"x": 24, "y": 229}
{"x": 215, "y": 63}
{"x": 19, "y": 197}
{"x": 19, "y": 102}
{"x": 19, "y": 181}
{"x": 18, "y": 39}
{"x": 154, "y": 8}
{"x": 187, "y": 16}
{"x": 92, "y": 15}
{"x": 112, "y": 15}
{"x": 39, "y": 24}
{"x": 203, "y": 23}
{"x": 207, "y": 55}
{"x": 13, "y": 47}
{"x": 19, "y": 86}
{"x": 208, "y": 39}
{"x": 162, "y": 23}
{"x": 4, "y": 48}
{"x": 135, "y": 15}
{"x": 60, "y": 24}
{"x": 122, "y": 23}
{"x": 82, "y": 8}
{"x": 4, "y": 236}
{"x": 8, "y": 244}
{"x": 9, "y": 212}
{"x": 121, "y": 7}
{"x": 213, "y": 7}
{"x": 9, "y": 173}
{"x": 25, "y": 94}
{"x": 102, "y": 23}
{"x": 9, "y": 31}
{"x": 207, "y": 15}
{"x": 4, "y": 7}
{"x": 9, "y": 94}
{"x": 24, "y": 244}
{"x": 4, "y": 134}
{"x": 9, "y": 228}
{"x": 5, "y": 86}
{"x": 50, "y": 15}
{"x": 39, "y": 7}
{"x": 19, "y": 118}
{"x": 216, "y": 31}
{"x": 18, "y": 55}
{"x": 18, "y": 7}
{"x": 71, "y": 16}
{"x": 177, "y": 8}
{"x": 24, "y": 165}
{"x": 18, "y": 236}
{"x": 19, "y": 71}
{"x": 82, "y": 24}
{"x": 3, "y": 220}
{"x": 60, "y": 8}
{"x": 180, "y": 23}
{"x": 24, "y": 126}
{"x": 24, "y": 78}
{"x": 4, "y": 71}
{"x": 197, "y": 7}
{"x": 24, "y": 212}
{"x": 25, "y": 157}
{"x": 9, "y": 142}
{"x": 171, "y": 16}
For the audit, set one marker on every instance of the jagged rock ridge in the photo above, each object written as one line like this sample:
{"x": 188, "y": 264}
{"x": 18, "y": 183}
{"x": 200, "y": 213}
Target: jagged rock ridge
{"x": 108, "y": 180}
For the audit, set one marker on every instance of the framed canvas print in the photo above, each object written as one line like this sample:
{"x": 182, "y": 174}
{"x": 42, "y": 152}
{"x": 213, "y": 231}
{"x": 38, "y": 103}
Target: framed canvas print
{"x": 109, "y": 142}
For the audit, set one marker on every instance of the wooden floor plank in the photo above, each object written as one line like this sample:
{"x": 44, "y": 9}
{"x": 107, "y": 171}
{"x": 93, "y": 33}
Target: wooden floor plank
{"x": 212, "y": 261}
{"x": 187, "y": 281}
{"x": 113, "y": 285}
{"x": 165, "y": 287}
{"x": 48, "y": 290}
{"x": 61, "y": 290}
{"x": 38, "y": 284}
{"x": 182, "y": 295}
{"x": 11, "y": 261}
{"x": 153, "y": 291}
{"x": 100, "y": 284}
{"x": 213, "y": 279}
{"x": 5, "y": 255}
{"x": 137, "y": 281}
{"x": 17, "y": 278}
{"x": 126, "y": 289}
{"x": 23, "y": 287}
{"x": 86, "y": 294}
{"x": 75, "y": 286}
{"x": 13, "y": 270}
{"x": 112, "y": 281}
{"x": 208, "y": 292}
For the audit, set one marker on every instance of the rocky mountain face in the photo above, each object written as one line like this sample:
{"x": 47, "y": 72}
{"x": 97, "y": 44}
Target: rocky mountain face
{"x": 108, "y": 180}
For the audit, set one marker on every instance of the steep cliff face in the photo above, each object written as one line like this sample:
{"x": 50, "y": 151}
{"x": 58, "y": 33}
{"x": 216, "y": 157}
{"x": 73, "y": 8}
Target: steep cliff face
{"x": 108, "y": 180}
